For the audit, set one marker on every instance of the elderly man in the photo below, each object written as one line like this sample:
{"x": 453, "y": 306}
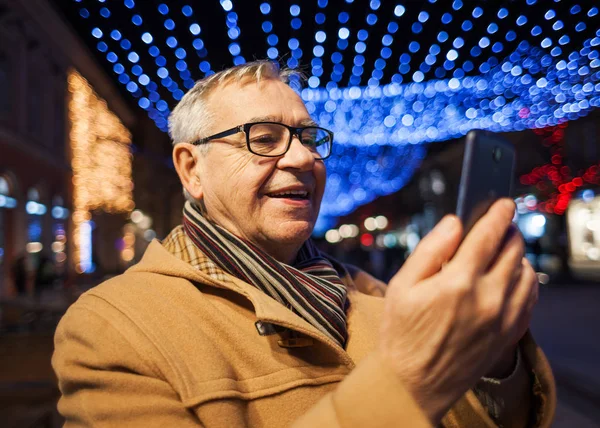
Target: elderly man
{"x": 236, "y": 319}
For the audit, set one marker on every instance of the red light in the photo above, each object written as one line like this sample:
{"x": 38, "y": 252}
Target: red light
{"x": 556, "y": 159}
{"x": 578, "y": 181}
{"x": 366, "y": 239}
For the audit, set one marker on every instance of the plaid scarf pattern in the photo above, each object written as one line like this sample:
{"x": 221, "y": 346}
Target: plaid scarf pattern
{"x": 311, "y": 287}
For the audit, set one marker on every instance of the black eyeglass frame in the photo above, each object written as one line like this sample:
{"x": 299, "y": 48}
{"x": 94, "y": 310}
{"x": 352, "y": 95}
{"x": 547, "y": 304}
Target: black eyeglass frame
{"x": 245, "y": 128}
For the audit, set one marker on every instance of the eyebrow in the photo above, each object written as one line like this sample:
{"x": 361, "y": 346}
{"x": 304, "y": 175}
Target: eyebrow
{"x": 303, "y": 122}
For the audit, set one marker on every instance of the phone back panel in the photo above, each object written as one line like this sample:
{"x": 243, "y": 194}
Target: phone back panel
{"x": 486, "y": 175}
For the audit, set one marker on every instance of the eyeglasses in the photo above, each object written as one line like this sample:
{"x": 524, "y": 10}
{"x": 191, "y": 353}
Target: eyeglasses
{"x": 273, "y": 139}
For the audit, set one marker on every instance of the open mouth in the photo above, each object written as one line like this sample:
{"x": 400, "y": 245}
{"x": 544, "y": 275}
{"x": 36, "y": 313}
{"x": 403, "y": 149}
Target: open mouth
{"x": 291, "y": 194}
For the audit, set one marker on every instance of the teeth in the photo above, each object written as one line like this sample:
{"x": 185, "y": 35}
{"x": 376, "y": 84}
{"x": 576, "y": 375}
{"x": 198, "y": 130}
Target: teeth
{"x": 291, "y": 192}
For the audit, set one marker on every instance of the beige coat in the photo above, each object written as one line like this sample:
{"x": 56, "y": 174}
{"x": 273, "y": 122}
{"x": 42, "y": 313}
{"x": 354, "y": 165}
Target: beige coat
{"x": 165, "y": 345}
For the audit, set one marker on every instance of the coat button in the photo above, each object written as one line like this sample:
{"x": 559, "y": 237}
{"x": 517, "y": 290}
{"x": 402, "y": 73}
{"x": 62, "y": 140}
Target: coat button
{"x": 296, "y": 342}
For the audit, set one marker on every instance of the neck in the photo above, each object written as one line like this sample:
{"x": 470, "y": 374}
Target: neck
{"x": 282, "y": 253}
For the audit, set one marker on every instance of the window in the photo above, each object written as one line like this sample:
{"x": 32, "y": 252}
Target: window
{"x": 4, "y": 187}
{"x": 33, "y": 195}
{"x": 5, "y": 96}
{"x": 59, "y": 124}
{"x": 35, "y": 107}
{"x": 35, "y": 212}
{"x": 4, "y": 194}
{"x": 60, "y": 215}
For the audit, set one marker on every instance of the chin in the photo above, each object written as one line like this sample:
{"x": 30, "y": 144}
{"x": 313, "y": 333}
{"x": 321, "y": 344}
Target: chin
{"x": 295, "y": 232}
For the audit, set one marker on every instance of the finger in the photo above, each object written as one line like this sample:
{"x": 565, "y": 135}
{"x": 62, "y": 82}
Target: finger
{"x": 535, "y": 287}
{"x": 535, "y": 293}
{"x": 518, "y": 309}
{"x": 433, "y": 251}
{"x": 525, "y": 320}
{"x": 485, "y": 238}
{"x": 506, "y": 269}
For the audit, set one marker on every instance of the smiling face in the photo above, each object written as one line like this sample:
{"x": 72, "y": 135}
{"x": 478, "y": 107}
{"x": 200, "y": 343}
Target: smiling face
{"x": 272, "y": 202}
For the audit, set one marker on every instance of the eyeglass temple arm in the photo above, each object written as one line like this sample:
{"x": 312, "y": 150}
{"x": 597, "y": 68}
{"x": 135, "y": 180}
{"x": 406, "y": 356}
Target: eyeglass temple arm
{"x": 223, "y": 134}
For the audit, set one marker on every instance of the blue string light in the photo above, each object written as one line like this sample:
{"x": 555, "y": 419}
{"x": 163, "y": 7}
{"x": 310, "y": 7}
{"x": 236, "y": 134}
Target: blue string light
{"x": 487, "y": 80}
{"x": 97, "y": 33}
{"x": 296, "y": 52}
{"x": 133, "y": 57}
{"x": 187, "y": 11}
{"x": 233, "y": 32}
{"x": 360, "y": 47}
{"x": 318, "y": 49}
{"x": 337, "y": 56}
{"x": 384, "y": 53}
{"x": 399, "y": 10}
{"x": 267, "y": 27}
{"x": 356, "y": 175}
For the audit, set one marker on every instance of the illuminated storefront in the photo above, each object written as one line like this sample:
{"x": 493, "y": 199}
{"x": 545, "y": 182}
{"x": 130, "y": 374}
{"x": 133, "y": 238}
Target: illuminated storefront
{"x": 6, "y": 203}
{"x": 583, "y": 227}
{"x": 101, "y": 163}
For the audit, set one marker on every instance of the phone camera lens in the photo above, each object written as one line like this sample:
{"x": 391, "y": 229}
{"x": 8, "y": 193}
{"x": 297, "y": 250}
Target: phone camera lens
{"x": 497, "y": 154}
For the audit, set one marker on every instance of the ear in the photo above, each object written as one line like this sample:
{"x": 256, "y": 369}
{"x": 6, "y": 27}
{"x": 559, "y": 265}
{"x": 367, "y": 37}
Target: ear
{"x": 185, "y": 159}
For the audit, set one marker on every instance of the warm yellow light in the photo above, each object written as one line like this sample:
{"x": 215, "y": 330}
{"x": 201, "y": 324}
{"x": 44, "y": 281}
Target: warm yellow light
{"x": 127, "y": 254}
{"x": 333, "y": 236}
{"x": 370, "y": 224}
{"x": 58, "y": 247}
{"x": 34, "y": 247}
{"x": 137, "y": 216}
{"x": 381, "y": 222}
{"x": 345, "y": 231}
{"x": 101, "y": 158}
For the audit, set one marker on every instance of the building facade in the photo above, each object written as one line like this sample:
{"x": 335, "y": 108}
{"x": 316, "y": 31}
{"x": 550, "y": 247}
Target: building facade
{"x": 66, "y": 186}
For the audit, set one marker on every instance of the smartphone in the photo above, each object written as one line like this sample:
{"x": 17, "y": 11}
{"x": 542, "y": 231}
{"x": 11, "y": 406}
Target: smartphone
{"x": 487, "y": 175}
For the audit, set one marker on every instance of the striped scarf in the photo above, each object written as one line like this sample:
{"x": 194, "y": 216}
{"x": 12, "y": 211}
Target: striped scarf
{"x": 311, "y": 287}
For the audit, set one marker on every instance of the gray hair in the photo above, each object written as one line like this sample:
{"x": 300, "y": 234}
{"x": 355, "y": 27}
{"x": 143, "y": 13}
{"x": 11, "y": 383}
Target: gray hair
{"x": 191, "y": 118}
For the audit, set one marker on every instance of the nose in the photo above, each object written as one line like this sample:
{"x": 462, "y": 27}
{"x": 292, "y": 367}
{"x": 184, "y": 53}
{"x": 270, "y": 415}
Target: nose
{"x": 297, "y": 157}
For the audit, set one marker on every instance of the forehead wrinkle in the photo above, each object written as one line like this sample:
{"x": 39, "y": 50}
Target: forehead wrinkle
{"x": 308, "y": 122}
{"x": 275, "y": 118}
{"x": 228, "y": 90}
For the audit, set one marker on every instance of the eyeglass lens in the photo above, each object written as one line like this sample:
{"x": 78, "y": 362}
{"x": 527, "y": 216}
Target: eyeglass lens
{"x": 271, "y": 139}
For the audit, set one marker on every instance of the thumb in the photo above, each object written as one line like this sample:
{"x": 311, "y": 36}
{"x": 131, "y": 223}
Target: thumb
{"x": 433, "y": 251}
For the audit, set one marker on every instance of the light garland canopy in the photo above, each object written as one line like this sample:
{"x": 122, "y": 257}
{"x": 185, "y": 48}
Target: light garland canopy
{"x": 384, "y": 76}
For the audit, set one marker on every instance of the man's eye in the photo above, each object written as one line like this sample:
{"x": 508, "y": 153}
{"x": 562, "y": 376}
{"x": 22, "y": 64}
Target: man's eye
{"x": 314, "y": 141}
{"x": 264, "y": 139}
